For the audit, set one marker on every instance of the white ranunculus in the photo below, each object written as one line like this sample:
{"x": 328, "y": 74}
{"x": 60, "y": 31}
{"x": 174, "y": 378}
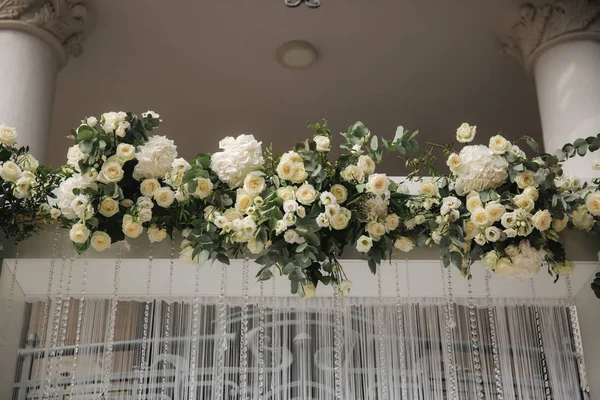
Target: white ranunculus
{"x": 8, "y": 135}
{"x": 111, "y": 172}
{"x": 499, "y": 145}
{"x": 481, "y": 170}
{"x": 306, "y": 194}
{"x": 100, "y": 241}
{"x": 131, "y": 227}
{"x": 204, "y": 188}
{"x": 238, "y": 158}
{"x": 542, "y": 220}
{"x": 155, "y": 157}
{"x": 465, "y": 133}
{"x": 125, "y": 152}
{"x": 156, "y": 234}
{"x": 339, "y": 192}
{"x": 323, "y": 143}
{"x": 164, "y": 197}
{"x": 254, "y": 185}
{"x": 9, "y": 171}
{"x": 404, "y": 244}
{"x": 27, "y": 162}
{"x": 367, "y": 164}
{"x": 378, "y": 184}
{"x": 364, "y": 244}
{"x": 79, "y": 233}
{"x": 148, "y": 187}
{"x": 110, "y": 121}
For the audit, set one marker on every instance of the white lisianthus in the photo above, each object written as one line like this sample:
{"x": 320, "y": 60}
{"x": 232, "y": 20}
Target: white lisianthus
{"x": 525, "y": 179}
{"x": 258, "y": 201}
{"x": 481, "y": 170}
{"x": 9, "y": 171}
{"x": 108, "y": 207}
{"x": 564, "y": 268}
{"x": 164, "y": 197}
{"x": 126, "y": 203}
{"x": 510, "y": 233}
{"x": 239, "y": 157}
{"x": 492, "y": 233}
{"x": 301, "y": 211}
{"x": 429, "y": 187}
{"x": 144, "y": 215}
{"x": 306, "y": 194}
{"x": 517, "y": 151}
{"x": 404, "y": 244}
{"x": 465, "y": 133}
{"x": 327, "y": 198}
{"x": 79, "y": 233}
{"x": 148, "y": 187}
{"x": 254, "y": 184}
{"x": 55, "y": 213}
{"x": 8, "y": 135}
{"x": 449, "y": 203}
{"x": 542, "y": 220}
{"x": 144, "y": 202}
{"x": 122, "y": 129}
{"x": 364, "y": 244}
{"x": 180, "y": 166}
{"x": 378, "y": 184}
{"x": 79, "y": 205}
{"x": 154, "y": 158}
{"x": 499, "y": 145}
{"x": 453, "y": 162}
{"x": 480, "y": 239}
{"x": 280, "y": 227}
{"x": 332, "y": 209}
{"x": 131, "y": 228}
{"x": 150, "y": 114}
{"x": 560, "y": 224}
{"x": 290, "y": 206}
{"x": 479, "y": 217}
{"x": 403, "y": 189}
{"x": 220, "y": 221}
{"x": 255, "y": 246}
{"x": 289, "y": 218}
{"x": 494, "y": 211}
{"x": 353, "y": 174}
{"x": 524, "y": 202}
{"x": 339, "y": 221}
{"x": 111, "y": 172}
{"x": 592, "y": 203}
{"x": 323, "y": 220}
{"x": 392, "y": 222}
{"x": 287, "y": 193}
{"x": 582, "y": 219}
{"x": 323, "y": 143}
{"x": 436, "y": 236}
{"x": 490, "y": 259}
{"x": 232, "y": 214}
{"x": 204, "y": 188}
{"x": 100, "y": 241}
{"x": 292, "y": 237}
{"x": 125, "y": 152}
{"x": 339, "y": 192}
{"x": 74, "y": 155}
{"x": 345, "y": 286}
{"x": 156, "y": 234}
{"x": 110, "y": 121}
{"x": 376, "y": 229}
{"x": 91, "y": 121}
{"x": 367, "y": 164}
{"x": 27, "y": 162}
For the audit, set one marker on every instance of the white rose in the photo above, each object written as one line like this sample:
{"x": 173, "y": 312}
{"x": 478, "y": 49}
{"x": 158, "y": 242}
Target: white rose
{"x": 473, "y": 201}
{"x": 239, "y": 157}
{"x": 378, "y": 184}
{"x": 91, "y": 121}
{"x": 131, "y": 228}
{"x": 204, "y": 188}
{"x": 429, "y": 187}
{"x": 479, "y": 217}
{"x": 111, "y": 172}
{"x": 110, "y": 120}
{"x": 164, "y": 197}
{"x": 27, "y": 162}
{"x": 510, "y": 233}
{"x": 286, "y": 169}
{"x": 494, "y": 211}
{"x": 364, "y": 244}
{"x": 154, "y": 158}
{"x": 499, "y": 145}
{"x": 100, "y": 241}
{"x": 367, "y": 164}
{"x": 306, "y": 194}
{"x": 531, "y": 192}
{"x": 542, "y": 220}
{"x": 186, "y": 255}
{"x": 322, "y": 142}
{"x": 10, "y": 171}
{"x": 243, "y": 201}
{"x": 592, "y": 203}
{"x": 492, "y": 234}
{"x": 524, "y": 202}
{"x": 254, "y": 185}
{"x": 582, "y": 219}
{"x": 148, "y": 187}
{"x": 339, "y": 221}
{"x": 404, "y": 244}
{"x": 339, "y": 192}
{"x": 453, "y": 162}
{"x": 79, "y": 233}
{"x": 376, "y": 230}
{"x": 122, "y": 128}
{"x": 470, "y": 230}
{"x": 465, "y": 133}
{"x": 8, "y": 135}
{"x": 255, "y": 246}
{"x": 290, "y": 206}
{"x": 55, "y": 213}
{"x": 125, "y": 152}
{"x": 353, "y": 174}
{"x": 156, "y": 234}
{"x": 525, "y": 179}
{"x": 392, "y": 222}
{"x": 144, "y": 215}
{"x": 108, "y": 207}
{"x": 300, "y": 174}
{"x": 560, "y": 224}
{"x": 490, "y": 259}
{"x": 287, "y": 193}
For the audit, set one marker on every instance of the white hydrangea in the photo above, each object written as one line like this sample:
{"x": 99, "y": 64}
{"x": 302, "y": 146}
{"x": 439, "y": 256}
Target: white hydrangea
{"x": 154, "y": 158}
{"x": 481, "y": 170}
{"x": 66, "y": 196}
{"x": 239, "y": 157}
{"x": 526, "y": 261}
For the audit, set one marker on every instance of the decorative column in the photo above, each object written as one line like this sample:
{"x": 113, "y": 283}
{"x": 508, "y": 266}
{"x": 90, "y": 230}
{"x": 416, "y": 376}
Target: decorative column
{"x": 36, "y": 39}
{"x": 559, "y": 43}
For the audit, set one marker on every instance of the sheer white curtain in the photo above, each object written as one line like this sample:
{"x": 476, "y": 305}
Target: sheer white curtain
{"x": 297, "y": 338}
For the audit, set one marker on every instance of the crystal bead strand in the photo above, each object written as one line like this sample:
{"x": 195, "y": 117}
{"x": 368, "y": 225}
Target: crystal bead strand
{"x": 244, "y": 333}
{"x": 401, "y": 348}
{"x": 47, "y": 303}
{"x": 194, "y": 349}
{"x": 475, "y": 343}
{"x": 143, "y": 361}
{"x": 449, "y": 337}
{"x": 451, "y": 317}
{"x": 108, "y": 353}
{"x": 261, "y": 342}
{"x": 583, "y": 381}
{"x": 167, "y": 334}
{"x": 538, "y": 328}
{"x": 381, "y": 334}
{"x": 78, "y": 328}
{"x": 273, "y": 332}
{"x": 413, "y": 348}
{"x": 337, "y": 343}
{"x": 491, "y": 320}
{"x": 65, "y": 311}
{"x": 221, "y": 335}
{"x": 9, "y": 303}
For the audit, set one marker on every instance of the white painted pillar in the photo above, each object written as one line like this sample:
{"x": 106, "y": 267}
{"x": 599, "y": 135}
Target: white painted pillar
{"x": 35, "y": 42}
{"x": 559, "y": 43}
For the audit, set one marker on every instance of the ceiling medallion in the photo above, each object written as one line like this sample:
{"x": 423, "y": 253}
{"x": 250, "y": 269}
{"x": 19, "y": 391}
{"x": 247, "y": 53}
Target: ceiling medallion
{"x": 309, "y": 3}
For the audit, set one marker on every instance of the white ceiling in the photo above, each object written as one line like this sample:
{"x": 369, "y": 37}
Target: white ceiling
{"x": 209, "y": 69}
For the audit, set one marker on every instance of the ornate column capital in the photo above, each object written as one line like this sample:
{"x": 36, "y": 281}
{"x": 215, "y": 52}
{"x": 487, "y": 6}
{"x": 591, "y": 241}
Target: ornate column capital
{"x": 61, "y": 23}
{"x": 542, "y": 26}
